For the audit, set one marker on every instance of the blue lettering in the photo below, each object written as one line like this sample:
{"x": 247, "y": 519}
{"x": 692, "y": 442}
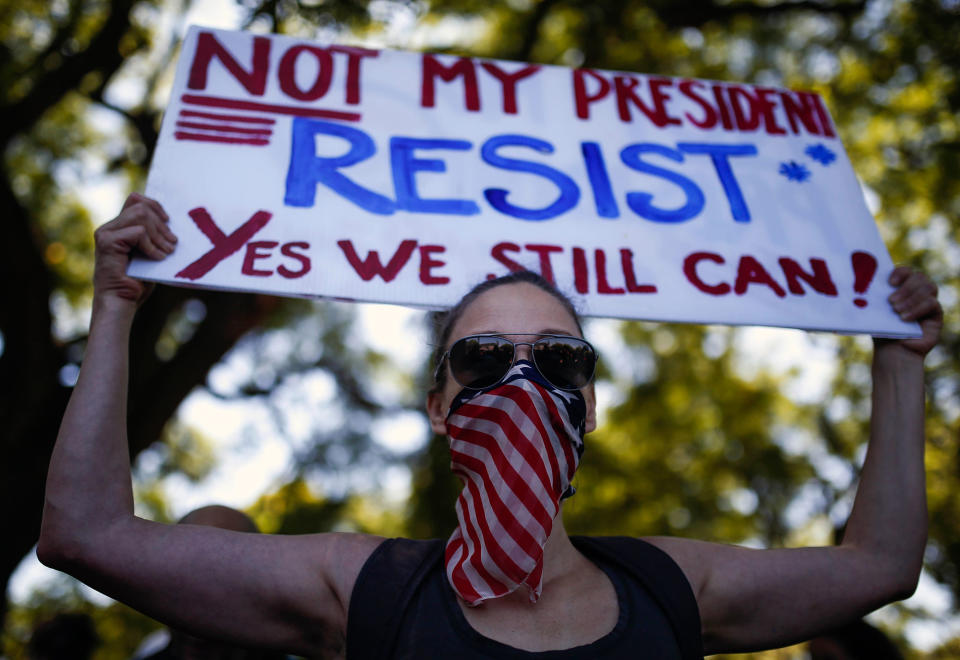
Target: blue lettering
{"x": 405, "y": 167}
{"x": 718, "y": 154}
{"x": 641, "y": 203}
{"x": 599, "y": 180}
{"x": 569, "y": 192}
{"x": 307, "y": 169}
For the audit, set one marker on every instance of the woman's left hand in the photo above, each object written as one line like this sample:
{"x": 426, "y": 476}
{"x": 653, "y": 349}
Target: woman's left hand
{"x": 916, "y": 300}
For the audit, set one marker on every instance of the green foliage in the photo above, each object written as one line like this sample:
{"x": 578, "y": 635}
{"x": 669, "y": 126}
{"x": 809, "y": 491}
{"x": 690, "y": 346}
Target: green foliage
{"x": 691, "y": 449}
{"x": 119, "y": 628}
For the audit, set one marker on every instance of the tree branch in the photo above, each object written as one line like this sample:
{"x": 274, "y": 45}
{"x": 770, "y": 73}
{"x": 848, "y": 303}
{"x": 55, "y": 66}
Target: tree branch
{"x": 697, "y": 13}
{"x": 49, "y": 89}
{"x": 531, "y": 30}
{"x": 35, "y": 68}
{"x": 158, "y": 387}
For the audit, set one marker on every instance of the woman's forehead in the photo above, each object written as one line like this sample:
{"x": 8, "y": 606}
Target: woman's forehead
{"x": 520, "y": 307}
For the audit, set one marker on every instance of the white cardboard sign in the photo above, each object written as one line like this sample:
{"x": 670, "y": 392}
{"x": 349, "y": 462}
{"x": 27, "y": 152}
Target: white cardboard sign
{"x": 306, "y": 169}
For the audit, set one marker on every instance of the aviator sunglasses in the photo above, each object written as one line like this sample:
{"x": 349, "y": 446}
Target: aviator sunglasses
{"x": 479, "y": 361}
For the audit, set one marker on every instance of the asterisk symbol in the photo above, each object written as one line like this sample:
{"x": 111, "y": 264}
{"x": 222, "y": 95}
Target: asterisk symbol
{"x": 794, "y": 171}
{"x": 821, "y": 154}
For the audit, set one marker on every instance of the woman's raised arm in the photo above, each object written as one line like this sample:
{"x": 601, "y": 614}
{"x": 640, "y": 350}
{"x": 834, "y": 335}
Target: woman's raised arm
{"x": 753, "y": 599}
{"x": 283, "y": 592}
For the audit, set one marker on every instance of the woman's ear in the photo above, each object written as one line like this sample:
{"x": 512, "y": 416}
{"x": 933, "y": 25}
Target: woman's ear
{"x": 437, "y": 412}
{"x": 590, "y": 397}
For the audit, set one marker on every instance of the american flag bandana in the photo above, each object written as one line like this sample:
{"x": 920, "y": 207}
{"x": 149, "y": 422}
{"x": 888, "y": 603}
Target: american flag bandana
{"x": 516, "y": 447}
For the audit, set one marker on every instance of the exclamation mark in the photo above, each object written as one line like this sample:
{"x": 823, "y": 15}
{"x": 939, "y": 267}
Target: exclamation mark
{"x": 864, "y": 268}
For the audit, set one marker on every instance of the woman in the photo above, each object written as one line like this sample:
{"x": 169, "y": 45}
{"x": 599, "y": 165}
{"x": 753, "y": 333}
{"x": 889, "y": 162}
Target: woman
{"x": 295, "y": 592}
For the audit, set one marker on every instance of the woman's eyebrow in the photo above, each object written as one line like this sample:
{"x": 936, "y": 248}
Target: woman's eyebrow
{"x": 542, "y": 331}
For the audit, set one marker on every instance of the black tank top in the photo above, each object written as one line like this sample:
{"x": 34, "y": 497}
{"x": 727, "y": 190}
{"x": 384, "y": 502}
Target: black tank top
{"x": 403, "y": 607}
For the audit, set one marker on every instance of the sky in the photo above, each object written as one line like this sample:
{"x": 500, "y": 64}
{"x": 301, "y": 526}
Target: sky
{"x": 244, "y": 469}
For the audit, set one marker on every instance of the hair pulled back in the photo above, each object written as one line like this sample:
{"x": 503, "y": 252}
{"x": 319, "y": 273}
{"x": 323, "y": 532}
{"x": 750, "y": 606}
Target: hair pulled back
{"x": 444, "y": 321}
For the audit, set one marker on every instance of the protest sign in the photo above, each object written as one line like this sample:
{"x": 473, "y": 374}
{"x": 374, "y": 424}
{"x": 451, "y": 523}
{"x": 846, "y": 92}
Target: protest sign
{"x": 308, "y": 169}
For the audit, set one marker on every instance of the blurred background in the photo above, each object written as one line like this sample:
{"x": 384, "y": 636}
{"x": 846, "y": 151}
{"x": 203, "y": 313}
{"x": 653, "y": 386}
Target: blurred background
{"x": 309, "y": 416}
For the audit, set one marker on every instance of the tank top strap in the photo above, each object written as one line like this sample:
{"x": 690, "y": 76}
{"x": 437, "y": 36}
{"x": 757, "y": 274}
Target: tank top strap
{"x": 382, "y": 592}
{"x": 663, "y": 580}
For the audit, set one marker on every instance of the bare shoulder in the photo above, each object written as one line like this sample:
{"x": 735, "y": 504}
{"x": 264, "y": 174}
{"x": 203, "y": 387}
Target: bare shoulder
{"x": 342, "y": 557}
{"x": 695, "y": 558}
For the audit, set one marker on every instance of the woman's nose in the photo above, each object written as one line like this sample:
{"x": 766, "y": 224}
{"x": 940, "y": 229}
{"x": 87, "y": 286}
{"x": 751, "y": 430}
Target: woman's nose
{"x": 524, "y": 351}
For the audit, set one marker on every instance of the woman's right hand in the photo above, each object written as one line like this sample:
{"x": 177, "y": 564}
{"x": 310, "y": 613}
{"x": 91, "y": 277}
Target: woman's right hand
{"x": 141, "y": 225}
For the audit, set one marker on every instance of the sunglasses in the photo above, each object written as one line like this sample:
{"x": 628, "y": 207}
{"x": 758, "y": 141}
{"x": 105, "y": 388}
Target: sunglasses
{"x": 479, "y": 361}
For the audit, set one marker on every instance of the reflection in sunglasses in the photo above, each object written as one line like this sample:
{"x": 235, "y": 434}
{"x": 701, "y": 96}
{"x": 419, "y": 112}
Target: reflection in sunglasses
{"x": 479, "y": 361}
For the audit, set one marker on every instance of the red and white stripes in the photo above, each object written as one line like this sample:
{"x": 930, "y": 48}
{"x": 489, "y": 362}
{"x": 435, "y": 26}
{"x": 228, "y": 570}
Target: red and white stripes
{"x": 233, "y": 121}
{"x": 516, "y": 450}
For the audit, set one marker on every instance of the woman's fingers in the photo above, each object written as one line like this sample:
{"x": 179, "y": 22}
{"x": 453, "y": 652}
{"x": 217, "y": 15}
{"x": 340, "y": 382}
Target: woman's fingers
{"x": 157, "y": 240}
{"x": 915, "y": 297}
{"x": 141, "y": 226}
{"x": 916, "y": 300}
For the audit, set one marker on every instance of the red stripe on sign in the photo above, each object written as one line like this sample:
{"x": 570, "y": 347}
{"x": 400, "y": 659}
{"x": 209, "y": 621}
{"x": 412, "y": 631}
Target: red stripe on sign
{"x": 201, "y": 137}
{"x": 241, "y": 118}
{"x": 297, "y": 111}
{"x": 221, "y": 128}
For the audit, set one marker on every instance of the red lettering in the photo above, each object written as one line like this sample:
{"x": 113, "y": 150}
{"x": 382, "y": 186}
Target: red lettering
{"x": 864, "y": 268}
{"x": 427, "y": 264}
{"x": 825, "y": 124}
{"x": 254, "y": 253}
{"x": 580, "y": 275}
{"x": 766, "y": 108}
{"x": 287, "y": 250}
{"x": 508, "y": 81}
{"x": 582, "y": 99}
{"x": 223, "y": 245}
{"x": 722, "y": 106}
{"x": 709, "y": 113}
{"x": 690, "y": 270}
{"x": 799, "y": 107}
{"x": 630, "y": 277}
{"x": 254, "y": 80}
{"x": 660, "y": 98}
{"x": 750, "y": 271}
{"x": 745, "y": 122}
{"x": 625, "y": 95}
{"x": 603, "y": 286}
{"x": 819, "y": 279}
{"x": 354, "y": 56}
{"x": 543, "y": 251}
{"x": 288, "y": 69}
{"x": 432, "y": 67}
{"x": 498, "y": 253}
{"x": 370, "y": 267}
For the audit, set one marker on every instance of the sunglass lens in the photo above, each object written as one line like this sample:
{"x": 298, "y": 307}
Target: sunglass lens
{"x": 479, "y": 362}
{"x": 567, "y": 363}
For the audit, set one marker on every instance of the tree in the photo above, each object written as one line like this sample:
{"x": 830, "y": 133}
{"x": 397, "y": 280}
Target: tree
{"x": 60, "y": 61}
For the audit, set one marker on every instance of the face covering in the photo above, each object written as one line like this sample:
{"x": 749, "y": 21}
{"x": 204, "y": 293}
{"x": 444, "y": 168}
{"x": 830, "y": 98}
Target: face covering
{"x": 516, "y": 447}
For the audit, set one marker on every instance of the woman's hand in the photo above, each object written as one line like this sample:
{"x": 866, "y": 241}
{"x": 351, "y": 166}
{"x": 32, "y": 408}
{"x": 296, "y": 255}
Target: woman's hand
{"x": 915, "y": 300}
{"x": 142, "y": 226}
